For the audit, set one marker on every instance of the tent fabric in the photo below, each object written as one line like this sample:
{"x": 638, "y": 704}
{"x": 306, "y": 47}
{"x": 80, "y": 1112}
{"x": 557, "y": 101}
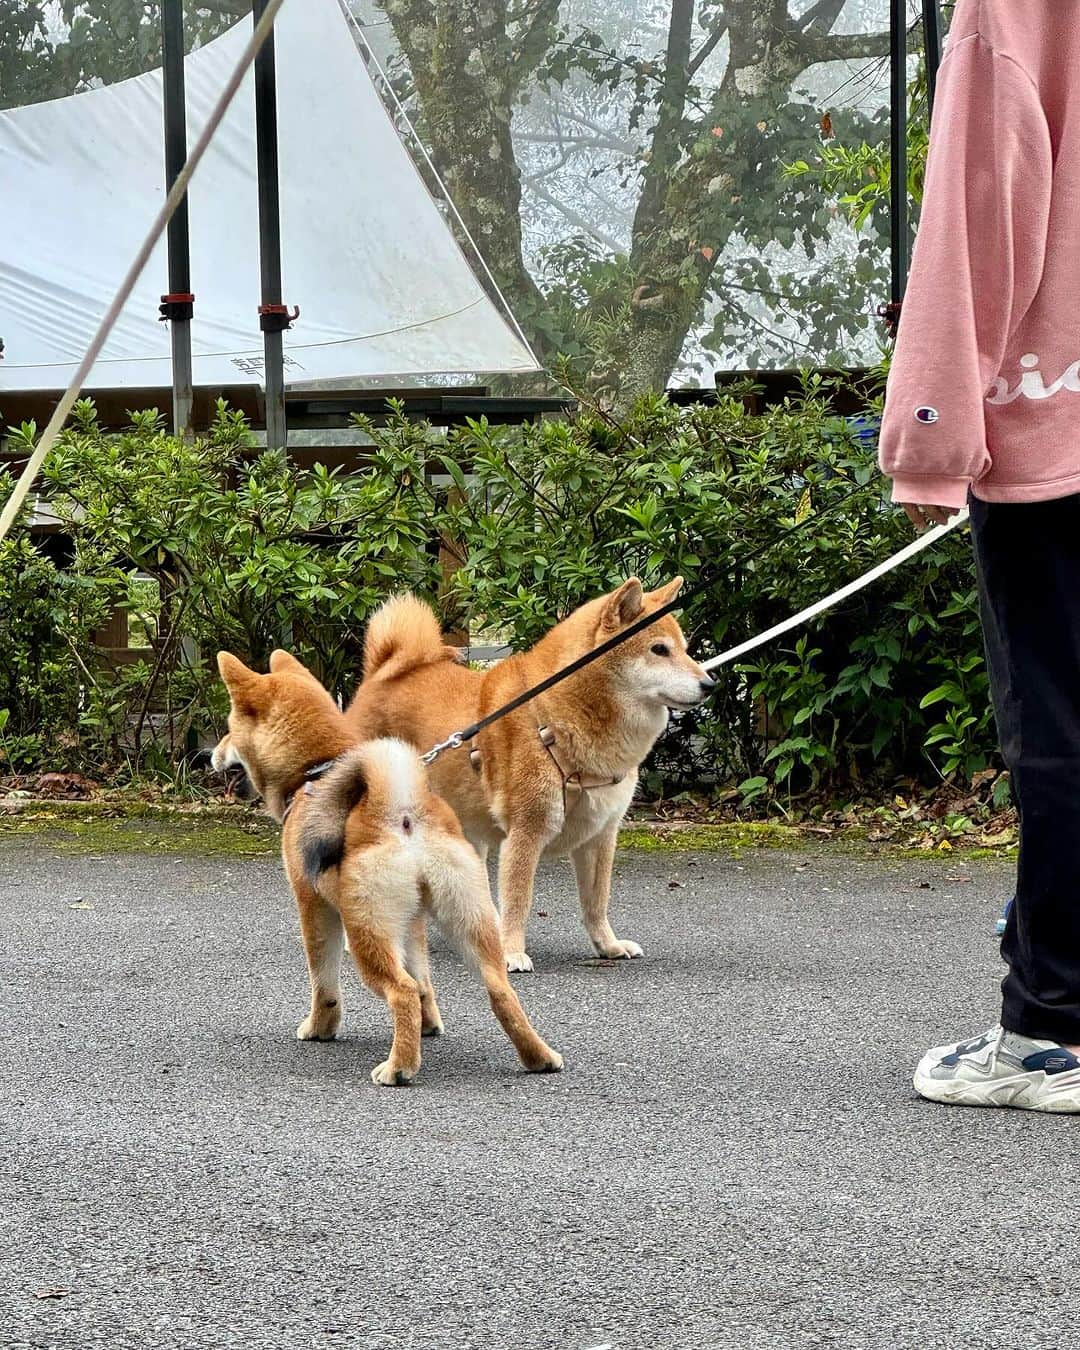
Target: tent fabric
{"x": 382, "y": 286}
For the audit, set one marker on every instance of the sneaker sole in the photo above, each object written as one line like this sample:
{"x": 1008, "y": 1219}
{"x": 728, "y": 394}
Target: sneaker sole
{"x": 1058, "y": 1094}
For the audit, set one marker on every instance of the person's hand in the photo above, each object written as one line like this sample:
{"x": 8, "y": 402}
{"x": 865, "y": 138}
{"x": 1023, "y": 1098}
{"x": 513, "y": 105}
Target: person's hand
{"x": 922, "y": 514}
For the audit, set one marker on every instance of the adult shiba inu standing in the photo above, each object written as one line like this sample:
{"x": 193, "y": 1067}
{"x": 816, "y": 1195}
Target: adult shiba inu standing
{"x": 558, "y": 774}
{"x": 370, "y": 852}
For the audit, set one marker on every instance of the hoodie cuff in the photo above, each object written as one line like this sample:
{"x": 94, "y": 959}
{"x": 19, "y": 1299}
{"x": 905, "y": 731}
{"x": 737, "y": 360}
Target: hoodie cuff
{"x": 927, "y": 490}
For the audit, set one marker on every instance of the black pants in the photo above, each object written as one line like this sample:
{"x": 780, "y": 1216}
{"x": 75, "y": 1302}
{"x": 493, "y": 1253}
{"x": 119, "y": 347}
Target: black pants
{"x": 1028, "y": 560}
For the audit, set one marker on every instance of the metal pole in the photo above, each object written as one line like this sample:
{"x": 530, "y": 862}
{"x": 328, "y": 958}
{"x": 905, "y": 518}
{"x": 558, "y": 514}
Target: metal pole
{"x": 932, "y": 47}
{"x": 272, "y": 320}
{"x": 177, "y": 307}
{"x": 898, "y": 203}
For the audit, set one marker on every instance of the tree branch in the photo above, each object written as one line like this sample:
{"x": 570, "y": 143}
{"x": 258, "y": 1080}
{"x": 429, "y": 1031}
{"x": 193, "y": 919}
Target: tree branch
{"x": 613, "y": 143}
{"x": 821, "y": 16}
{"x": 666, "y": 146}
{"x": 569, "y": 214}
{"x": 844, "y": 47}
{"x": 707, "y": 48}
{"x": 536, "y": 41}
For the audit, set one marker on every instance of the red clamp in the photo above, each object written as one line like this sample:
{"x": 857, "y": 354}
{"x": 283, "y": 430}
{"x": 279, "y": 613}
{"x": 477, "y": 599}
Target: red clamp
{"x": 276, "y": 318}
{"x": 177, "y": 305}
{"x": 890, "y": 314}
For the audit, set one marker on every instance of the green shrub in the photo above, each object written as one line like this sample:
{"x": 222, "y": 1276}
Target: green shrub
{"x": 207, "y": 544}
{"x": 46, "y": 616}
{"x": 556, "y": 512}
{"x": 210, "y": 544}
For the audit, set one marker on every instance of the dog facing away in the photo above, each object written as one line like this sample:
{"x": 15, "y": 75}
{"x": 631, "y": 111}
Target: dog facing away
{"x": 370, "y": 852}
{"x": 564, "y": 792}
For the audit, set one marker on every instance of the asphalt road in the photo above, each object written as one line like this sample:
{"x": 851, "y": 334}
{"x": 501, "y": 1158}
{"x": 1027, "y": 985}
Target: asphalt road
{"x": 733, "y": 1158}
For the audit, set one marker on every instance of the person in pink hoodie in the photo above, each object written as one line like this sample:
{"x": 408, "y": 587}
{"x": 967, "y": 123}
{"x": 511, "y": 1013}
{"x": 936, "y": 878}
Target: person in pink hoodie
{"x": 983, "y": 409}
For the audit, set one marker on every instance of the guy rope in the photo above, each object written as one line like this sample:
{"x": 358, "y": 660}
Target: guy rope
{"x": 263, "y": 29}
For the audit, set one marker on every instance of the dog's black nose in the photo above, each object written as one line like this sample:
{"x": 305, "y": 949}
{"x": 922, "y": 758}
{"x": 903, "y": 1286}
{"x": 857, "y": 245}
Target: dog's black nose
{"x": 707, "y": 685}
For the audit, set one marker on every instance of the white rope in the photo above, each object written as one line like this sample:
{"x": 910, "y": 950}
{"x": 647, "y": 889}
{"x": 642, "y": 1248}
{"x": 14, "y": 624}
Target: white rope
{"x": 400, "y": 110}
{"x": 812, "y": 611}
{"x": 123, "y": 295}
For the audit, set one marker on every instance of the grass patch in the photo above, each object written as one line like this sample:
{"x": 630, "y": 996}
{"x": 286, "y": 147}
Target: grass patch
{"x": 213, "y": 830}
{"x": 726, "y": 838}
{"x": 83, "y": 827}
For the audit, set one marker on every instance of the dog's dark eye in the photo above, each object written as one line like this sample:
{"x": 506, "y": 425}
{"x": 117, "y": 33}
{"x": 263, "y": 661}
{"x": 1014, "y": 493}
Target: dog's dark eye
{"x": 659, "y": 649}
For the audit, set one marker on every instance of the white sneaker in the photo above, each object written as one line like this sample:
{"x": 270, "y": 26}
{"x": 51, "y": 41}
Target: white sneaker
{"x": 1001, "y": 1068}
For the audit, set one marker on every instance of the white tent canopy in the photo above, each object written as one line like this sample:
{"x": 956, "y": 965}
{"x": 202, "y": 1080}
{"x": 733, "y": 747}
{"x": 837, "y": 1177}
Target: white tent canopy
{"x": 382, "y": 286}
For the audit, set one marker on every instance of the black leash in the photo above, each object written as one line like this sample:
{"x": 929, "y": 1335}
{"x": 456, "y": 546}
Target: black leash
{"x": 458, "y": 738}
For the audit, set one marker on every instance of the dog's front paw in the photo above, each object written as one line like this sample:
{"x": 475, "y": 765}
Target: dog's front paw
{"x": 387, "y": 1075}
{"x": 431, "y": 1029}
{"x": 619, "y": 950}
{"x": 516, "y": 962}
{"x": 317, "y": 1029}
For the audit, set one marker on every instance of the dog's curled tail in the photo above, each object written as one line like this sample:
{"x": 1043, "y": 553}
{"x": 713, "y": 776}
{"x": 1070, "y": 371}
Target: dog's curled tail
{"x": 322, "y": 832}
{"x": 403, "y": 634}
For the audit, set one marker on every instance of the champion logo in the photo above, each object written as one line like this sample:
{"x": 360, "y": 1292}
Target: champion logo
{"x": 926, "y": 415}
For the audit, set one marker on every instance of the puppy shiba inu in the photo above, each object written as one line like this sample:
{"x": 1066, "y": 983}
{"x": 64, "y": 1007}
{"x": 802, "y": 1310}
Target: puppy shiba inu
{"x": 370, "y": 852}
{"x": 558, "y": 774}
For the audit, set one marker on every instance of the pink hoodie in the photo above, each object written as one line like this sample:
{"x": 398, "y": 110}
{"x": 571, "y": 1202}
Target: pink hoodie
{"x": 984, "y": 389}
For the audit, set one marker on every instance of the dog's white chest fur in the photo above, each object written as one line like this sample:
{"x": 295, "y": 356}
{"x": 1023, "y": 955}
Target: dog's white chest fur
{"x": 591, "y": 812}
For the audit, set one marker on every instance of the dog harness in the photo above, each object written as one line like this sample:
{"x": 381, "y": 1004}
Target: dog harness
{"x": 571, "y": 782}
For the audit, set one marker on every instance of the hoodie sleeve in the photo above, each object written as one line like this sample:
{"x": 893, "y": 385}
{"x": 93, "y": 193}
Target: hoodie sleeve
{"x": 976, "y": 268}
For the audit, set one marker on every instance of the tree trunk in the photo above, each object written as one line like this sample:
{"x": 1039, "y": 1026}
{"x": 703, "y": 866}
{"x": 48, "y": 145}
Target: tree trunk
{"x": 462, "y": 60}
{"x": 468, "y": 66}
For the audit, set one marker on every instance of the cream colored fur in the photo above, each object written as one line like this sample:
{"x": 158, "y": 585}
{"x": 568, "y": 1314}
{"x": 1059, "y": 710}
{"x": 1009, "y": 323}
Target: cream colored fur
{"x": 371, "y": 852}
{"x": 606, "y": 719}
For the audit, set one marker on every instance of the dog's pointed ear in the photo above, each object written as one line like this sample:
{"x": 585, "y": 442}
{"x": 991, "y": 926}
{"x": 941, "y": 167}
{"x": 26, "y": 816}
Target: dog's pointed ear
{"x": 241, "y": 682}
{"x": 623, "y": 606}
{"x": 664, "y": 595}
{"x": 233, "y": 671}
{"x": 284, "y": 663}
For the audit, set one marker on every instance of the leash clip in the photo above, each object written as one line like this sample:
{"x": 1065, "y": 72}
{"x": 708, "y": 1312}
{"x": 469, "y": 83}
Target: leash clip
{"x": 453, "y": 742}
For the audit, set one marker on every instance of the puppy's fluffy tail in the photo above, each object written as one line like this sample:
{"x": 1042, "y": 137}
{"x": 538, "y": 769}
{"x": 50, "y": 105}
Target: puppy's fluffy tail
{"x": 402, "y": 635}
{"x": 322, "y": 833}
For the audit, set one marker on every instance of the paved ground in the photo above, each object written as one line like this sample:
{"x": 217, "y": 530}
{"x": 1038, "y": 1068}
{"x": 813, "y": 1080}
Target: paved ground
{"x": 734, "y": 1157}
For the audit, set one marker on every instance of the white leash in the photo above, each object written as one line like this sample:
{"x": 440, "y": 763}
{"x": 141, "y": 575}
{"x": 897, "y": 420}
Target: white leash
{"x": 123, "y": 295}
{"x": 819, "y": 607}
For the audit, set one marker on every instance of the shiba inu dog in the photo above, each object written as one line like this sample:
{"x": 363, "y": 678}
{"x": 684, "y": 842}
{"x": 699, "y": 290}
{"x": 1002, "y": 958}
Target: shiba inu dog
{"x": 370, "y": 852}
{"x": 558, "y": 774}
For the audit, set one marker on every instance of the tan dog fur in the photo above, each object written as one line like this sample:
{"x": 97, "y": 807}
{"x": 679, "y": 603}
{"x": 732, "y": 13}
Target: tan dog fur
{"x": 606, "y": 719}
{"x": 370, "y": 852}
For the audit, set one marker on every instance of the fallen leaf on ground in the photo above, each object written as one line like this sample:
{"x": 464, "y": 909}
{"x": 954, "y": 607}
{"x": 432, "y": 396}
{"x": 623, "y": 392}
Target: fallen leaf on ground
{"x": 65, "y": 785}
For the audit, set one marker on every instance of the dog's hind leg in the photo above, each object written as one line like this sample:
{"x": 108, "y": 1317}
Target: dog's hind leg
{"x": 321, "y": 929}
{"x": 416, "y": 963}
{"x": 461, "y": 901}
{"x": 593, "y": 862}
{"x": 536, "y": 1055}
{"x": 383, "y": 973}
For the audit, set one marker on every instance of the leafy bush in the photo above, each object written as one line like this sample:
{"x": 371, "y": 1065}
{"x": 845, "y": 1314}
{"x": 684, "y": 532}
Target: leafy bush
{"x": 244, "y": 552}
{"x": 777, "y": 508}
{"x": 46, "y": 616}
